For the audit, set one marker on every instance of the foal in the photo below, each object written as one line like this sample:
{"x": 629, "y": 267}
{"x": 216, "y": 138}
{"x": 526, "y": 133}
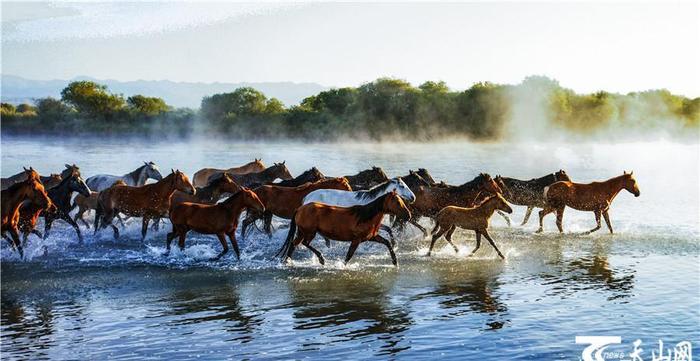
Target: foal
{"x": 475, "y": 219}
{"x": 595, "y": 197}
{"x": 220, "y": 219}
{"x": 86, "y": 203}
{"x": 355, "y": 224}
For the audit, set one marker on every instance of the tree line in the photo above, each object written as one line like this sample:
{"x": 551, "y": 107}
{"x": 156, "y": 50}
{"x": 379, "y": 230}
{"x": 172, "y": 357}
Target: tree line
{"x": 386, "y": 108}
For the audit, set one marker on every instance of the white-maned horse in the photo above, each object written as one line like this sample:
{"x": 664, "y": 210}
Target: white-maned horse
{"x": 137, "y": 178}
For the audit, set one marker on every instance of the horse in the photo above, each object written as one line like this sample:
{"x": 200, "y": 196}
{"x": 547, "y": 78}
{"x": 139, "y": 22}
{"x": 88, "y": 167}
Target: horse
{"x": 431, "y": 200}
{"x": 309, "y": 176}
{"x": 60, "y": 196}
{"x": 136, "y": 178}
{"x": 208, "y": 194}
{"x": 475, "y": 218}
{"x": 248, "y": 180}
{"x": 220, "y": 219}
{"x": 202, "y": 176}
{"x": 367, "y": 179}
{"x": 355, "y": 224}
{"x": 11, "y": 200}
{"x": 48, "y": 182}
{"x": 528, "y": 193}
{"x": 283, "y": 201}
{"x": 595, "y": 197}
{"x": 423, "y": 173}
{"x": 85, "y": 204}
{"x": 414, "y": 181}
{"x": 148, "y": 201}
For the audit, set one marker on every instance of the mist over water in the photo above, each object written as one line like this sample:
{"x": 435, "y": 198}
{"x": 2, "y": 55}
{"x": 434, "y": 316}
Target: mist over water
{"x": 124, "y": 299}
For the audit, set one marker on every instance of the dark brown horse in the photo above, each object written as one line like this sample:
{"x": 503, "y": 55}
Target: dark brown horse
{"x": 309, "y": 176}
{"x": 528, "y": 193}
{"x": 209, "y": 194}
{"x": 430, "y": 200}
{"x": 219, "y": 219}
{"x": 367, "y": 179}
{"x": 355, "y": 224}
{"x": 595, "y": 197}
{"x": 12, "y": 198}
{"x": 149, "y": 201}
{"x": 249, "y": 180}
{"x": 283, "y": 201}
{"x": 475, "y": 218}
{"x": 201, "y": 177}
{"x": 60, "y": 197}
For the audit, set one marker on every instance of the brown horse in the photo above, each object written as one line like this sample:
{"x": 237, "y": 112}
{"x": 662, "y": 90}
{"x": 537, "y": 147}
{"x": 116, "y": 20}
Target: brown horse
{"x": 148, "y": 201}
{"x": 202, "y": 176}
{"x": 595, "y": 197}
{"x": 220, "y": 219}
{"x": 367, "y": 178}
{"x": 12, "y": 198}
{"x": 475, "y": 218}
{"x": 48, "y": 182}
{"x": 209, "y": 194}
{"x": 85, "y": 204}
{"x": 431, "y": 200}
{"x": 283, "y": 201}
{"x": 355, "y": 224}
{"x": 249, "y": 180}
{"x": 528, "y": 193}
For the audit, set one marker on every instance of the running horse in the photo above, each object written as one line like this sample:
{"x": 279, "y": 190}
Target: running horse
{"x": 60, "y": 196}
{"x": 209, "y": 194}
{"x": 11, "y": 200}
{"x": 85, "y": 204}
{"x": 528, "y": 193}
{"x": 367, "y": 179}
{"x": 48, "y": 182}
{"x": 248, "y": 180}
{"x": 595, "y": 197}
{"x": 136, "y": 178}
{"x": 202, "y": 177}
{"x": 309, "y": 176}
{"x": 283, "y": 201}
{"x": 220, "y": 219}
{"x": 355, "y": 224}
{"x": 149, "y": 201}
{"x": 475, "y": 218}
{"x": 431, "y": 200}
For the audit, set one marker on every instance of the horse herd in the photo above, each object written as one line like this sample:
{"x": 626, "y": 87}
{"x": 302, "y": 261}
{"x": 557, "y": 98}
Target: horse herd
{"x": 348, "y": 208}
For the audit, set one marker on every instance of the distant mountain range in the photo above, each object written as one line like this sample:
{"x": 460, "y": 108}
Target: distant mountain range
{"x": 17, "y": 90}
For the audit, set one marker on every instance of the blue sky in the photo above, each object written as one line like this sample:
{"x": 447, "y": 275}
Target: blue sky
{"x": 586, "y": 46}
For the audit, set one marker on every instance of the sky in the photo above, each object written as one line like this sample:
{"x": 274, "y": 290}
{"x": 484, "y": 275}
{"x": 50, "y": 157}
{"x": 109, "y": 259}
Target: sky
{"x": 592, "y": 46}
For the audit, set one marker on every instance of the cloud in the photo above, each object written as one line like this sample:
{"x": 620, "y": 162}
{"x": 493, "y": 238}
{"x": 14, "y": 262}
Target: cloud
{"x": 23, "y": 22}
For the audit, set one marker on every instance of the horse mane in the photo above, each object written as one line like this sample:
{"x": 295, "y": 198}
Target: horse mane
{"x": 366, "y": 212}
{"x": 474, "y": 182}
{"x": 374, "y": 191}
{"x": 16, "y": 186}
{"x": 136, "y": 173}
{"x": 233, "y": 198}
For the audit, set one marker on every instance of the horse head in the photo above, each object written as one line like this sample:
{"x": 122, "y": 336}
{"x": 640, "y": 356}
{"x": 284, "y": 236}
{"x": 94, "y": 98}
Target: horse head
{"x": 181, "y": 183}
{"x": 32, "y": 174}
{"x": 423, "y": 173}
{"x": 489, "y": 184}
{"x": 251, "y": 200}
{"x": 281, "y": 171}
{"x": 36, "y": 193}
{"x": 151, "y": 170}
{"x": 400, "y": 187}
{"x": 561, "y": 176}
{"x": 630, "y": 184}
{"x": 77, "y": 184}
{"x": 394, "y": 204}
{"x": 226, "y": 184}
{"x": 501, "y": 203}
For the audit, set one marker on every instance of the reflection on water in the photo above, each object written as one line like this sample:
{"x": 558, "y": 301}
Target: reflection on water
{"x": 123, "y": 299}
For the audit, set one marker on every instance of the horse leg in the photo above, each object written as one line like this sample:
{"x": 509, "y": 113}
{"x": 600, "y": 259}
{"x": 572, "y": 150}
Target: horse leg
{"x": 560, "y": 218}
{"x": 267, "y": 219}
{"x": 527, "y": 215}
{"x": 182, "y": 232}
{"x": 144, "y": 227}
{"x": 391, "y": 233}
{"x": 597, "y": 222}
{"x": 79, "y": 216}
{"x": 37, "y": 233}
{"x": 121, "y": 220}
{"x": 488, "y": 238}
{"x": 169, "y": 240}
{"x": 234, "y": 243}
{"x": 384, "y": 241}
{"x": 293, "y": 246}
{"x": 246, "y": 222}
{"x": 116, "y": 231}
{"x": 307, "y": 242}
{"x": 478, "y": 243}
{"x": 545, "y": 211}
{"x": 607, "y": 220}
{"x": 351, "y": 250}
{"x": 222, "y": 239}
{"x": 328, "y": 242}
{"x": 422, "y": 229}
{"x": 505, "y": 216}
{"x": 14, "y": 233}
{"x": 437, "y": 233}
{"x": 448, "y": 237}
{"x": 74, "y": 225}
{"x": 156, "y": 224}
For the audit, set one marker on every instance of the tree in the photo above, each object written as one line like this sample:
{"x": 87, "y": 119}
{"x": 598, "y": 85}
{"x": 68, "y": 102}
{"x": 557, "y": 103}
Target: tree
{"x": 241, "y": 102}
{"x": 25, "y": 108}
{"x": 51, "y": 108}
{"x": 8, "y": 108}
{"x": 92, "y": 99}
{"x": 148, "y": 106}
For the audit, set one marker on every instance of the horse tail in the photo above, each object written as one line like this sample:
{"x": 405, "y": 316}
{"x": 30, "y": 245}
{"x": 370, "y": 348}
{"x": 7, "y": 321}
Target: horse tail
{"x": 546, "y": 189}
{"x": 289, "y": 242}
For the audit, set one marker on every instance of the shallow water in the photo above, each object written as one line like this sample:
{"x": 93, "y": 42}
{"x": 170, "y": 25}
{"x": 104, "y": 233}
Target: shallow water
{"x": 124, "y": 299}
